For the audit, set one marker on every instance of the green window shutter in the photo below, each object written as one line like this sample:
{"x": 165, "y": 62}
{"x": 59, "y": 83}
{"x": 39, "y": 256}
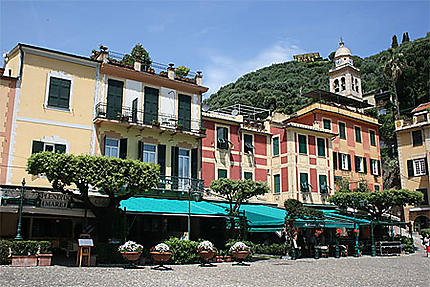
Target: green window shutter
{"x": 150, "y": 108}
{"x": 276, "y": 146}
{"x": 174, "y": 160}
{"x": 184, "y": 112}
{"x": 304, "y": 186}
{"x": 365, "y": 164}
{"x": 247, "y": 175}
{"x": 342, "y": 130}
{"x": 358, "y": 134}
{"x": 222, "y": 173}
{"x": 161, "y": 158}
{"x": 60, "y": 148}
{"x": 327, "y": 124}
{"x": 323, "y": 183}
{"x": 426, "y": 165}
{"x": 123, "y": 148}
{"x": 372, "y": 138}
{"x": 248, "y": 146}
{"x": 134, "y": 111}
{"x": 417, "y": 138}
{"x": 335, "y": 160}
{"x": 114, "y": 99}
{"x": 194, "y": 163}
{"x": 140, "y": 150}
{"x": 303, "y": 148}
{"x": 37, "y": 147}
{"x": 277, "y": 183}
{"x": 357, "y": 163}
{"x": 349, "y": 162}
{"x": 59, "y": 93}
{"x": 321, "y": 147}
{"x": 340, "y": 160}
{"x": 379, "y": 168}
{"x": 410, "y": 168}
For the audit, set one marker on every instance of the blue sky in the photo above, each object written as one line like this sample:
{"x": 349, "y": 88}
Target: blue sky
{"x": 223, "y": 39}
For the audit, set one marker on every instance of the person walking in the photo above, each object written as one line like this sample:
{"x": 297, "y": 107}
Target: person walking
{"x": 426, "y": 242}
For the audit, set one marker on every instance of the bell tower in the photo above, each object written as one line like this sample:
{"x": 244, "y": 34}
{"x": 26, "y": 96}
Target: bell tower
{"x": 344, "y": 77}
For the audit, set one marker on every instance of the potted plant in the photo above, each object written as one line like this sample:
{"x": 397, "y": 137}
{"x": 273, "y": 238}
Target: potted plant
{"x": 179, "y": 126}
{"x": 24, "y": 253}
{"x": 124, "y": 118}
{"x": 155, "y": 123}
{"x": 240, "y": 251}
{"x": 202, "y": 130}
{"x": 131, "y": 250}
{"x": 206, "y": 251}
{"x": 44, "y": 255}
{"x": 160, "y": 254}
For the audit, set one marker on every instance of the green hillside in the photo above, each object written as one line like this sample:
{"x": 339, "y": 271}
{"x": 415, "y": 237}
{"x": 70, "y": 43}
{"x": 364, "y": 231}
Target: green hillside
{"x": 278, "y": 87}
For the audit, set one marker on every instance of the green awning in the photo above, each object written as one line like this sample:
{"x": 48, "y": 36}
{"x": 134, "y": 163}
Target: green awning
{"x": 147, "y": 205}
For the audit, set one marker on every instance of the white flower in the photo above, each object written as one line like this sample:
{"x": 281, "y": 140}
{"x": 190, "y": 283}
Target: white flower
{"x": 162, "y": 248}
{"x": 205, "y": 246}
{"x": 130, "y": 246}
{"x": 239, "y": 246}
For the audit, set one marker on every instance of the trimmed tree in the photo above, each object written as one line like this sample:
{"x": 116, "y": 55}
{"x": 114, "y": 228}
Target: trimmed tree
{"x": 376, "y": 203}
{"x": 119, "y": 179}
{"x": 182, "y": 71}
{"x": 237, "y": 192}
{"x": 138, "y": 53}
{"x": 394, "y": 42}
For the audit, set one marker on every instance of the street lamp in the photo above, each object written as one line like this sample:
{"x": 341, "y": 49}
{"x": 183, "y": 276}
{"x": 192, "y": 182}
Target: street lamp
{"x": 357, "y": 227}
{"x": 18, "y": 229}
{"x": 196, "y": 197}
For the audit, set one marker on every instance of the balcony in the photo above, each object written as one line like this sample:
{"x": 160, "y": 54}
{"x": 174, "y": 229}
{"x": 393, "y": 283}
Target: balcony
{"x": 134, "y": 116}
{"x": 175, "y": 187}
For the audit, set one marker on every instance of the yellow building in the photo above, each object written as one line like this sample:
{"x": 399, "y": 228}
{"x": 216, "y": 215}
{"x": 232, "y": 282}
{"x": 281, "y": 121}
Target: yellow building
{"x": 413, "y": 140}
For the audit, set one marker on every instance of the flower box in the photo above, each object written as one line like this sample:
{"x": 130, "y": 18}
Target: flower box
{"x": 131, "y": 256}
{"x": 24, "y": 260}
{"x": 207, "y": 255}
{"x": 161, "y": 256}
{"x": 44, "y": 259}
{"x": 240, "y": 255}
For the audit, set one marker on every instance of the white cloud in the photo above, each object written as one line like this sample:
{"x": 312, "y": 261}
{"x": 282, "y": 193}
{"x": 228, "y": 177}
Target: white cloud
{"x": 223, "y": 69}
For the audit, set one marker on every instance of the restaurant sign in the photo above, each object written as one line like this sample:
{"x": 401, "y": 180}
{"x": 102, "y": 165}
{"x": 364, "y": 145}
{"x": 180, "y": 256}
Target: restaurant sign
{"x": 44, "y": 199}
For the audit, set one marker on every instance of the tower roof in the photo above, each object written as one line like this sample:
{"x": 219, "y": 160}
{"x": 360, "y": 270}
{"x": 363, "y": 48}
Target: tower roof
{"x": 342, "y": 51}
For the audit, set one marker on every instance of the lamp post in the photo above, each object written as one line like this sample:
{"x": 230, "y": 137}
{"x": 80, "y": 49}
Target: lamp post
{"x": 18, "y": 229}
{"x": 196, "y": 196}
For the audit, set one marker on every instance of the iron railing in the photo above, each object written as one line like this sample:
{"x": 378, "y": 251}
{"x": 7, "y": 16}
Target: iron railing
{"x": 174, "y": 186}
{"x": 139, "y": 117}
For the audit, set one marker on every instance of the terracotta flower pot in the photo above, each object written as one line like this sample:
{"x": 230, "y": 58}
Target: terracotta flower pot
{"x": 227, "y": 258}
{"x": 240, "y": 255}
{"x": 44, "y": 259}
{"x": 206, "y": 255}
{"x": 161, "y": 257}
{"x": 131, "y": 256}
{"x": 24, "y": 260}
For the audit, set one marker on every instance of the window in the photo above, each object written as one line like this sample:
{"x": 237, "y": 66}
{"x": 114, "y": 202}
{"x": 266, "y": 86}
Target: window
{"x": 321, "y": 147}
{"x": 419, "y": 167}
{"x": 327, "y": 124}
{"x": 303, "y": 148}
{"x": 336, "y": 86}
{"x": 277, "y": 183}
{"x": 345, "y": 162}
{"x": 184, "y": 168}
{"x": 360, "y": 164}
{"x": 426, "y": 196}
{"x": 222, "y": 173}
{"x": 417, "y": 138}
{"x": 323, "y": 183}
{"x": 375, "y": 165}
{"x": 59, "y": 93}
{"x": 356, "y": 86}
{"x": 342, "y": 130}
{"x": 358, "y": 134}
{"x": 39, "y": 146}
{"x": 149, "y": 153}
{"x": 372, "y": 137}
{"x": 304, "y": 185}
{"x": 247, "y": 175}
{"x": 377, "y": 188}
{"x": 343, "y": 84}
{"x": 111, "y": 147}
{"x": 222, "y": 137}
{"x": 276, "y": 146}
{"x": 248, "y": 147}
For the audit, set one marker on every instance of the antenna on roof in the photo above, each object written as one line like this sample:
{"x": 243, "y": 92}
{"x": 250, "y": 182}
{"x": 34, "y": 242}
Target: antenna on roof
{"x": 234, "y": 112}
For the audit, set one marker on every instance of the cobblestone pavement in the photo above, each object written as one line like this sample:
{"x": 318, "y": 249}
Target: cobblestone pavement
{"x": 407, "y": 270}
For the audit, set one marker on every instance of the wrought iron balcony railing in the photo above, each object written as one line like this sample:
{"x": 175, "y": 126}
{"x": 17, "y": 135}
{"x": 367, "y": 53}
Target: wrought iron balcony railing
{"x": 139, "y": 117}
{"x": 174, "y": 186}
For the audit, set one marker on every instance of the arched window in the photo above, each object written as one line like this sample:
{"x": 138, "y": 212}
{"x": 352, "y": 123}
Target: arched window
{"x": 356, "y": 86}
{"x": 352, "y": 81}
{"x": 343, "y": 84}
{"x": 336, "y": 86}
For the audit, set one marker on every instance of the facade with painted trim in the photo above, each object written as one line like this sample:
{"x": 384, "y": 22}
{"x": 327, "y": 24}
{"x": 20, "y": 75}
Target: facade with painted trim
{"x": 413, "y": 140}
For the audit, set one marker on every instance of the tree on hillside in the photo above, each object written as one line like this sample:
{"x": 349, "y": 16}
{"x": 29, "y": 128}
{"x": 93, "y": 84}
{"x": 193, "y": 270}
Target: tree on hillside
{"x": 117, "y": 178}
{"x": 138, "y": 53}
{"x": 394, "y": 42}
{"x": 237, "y": 192}
{"x": 295, "y": 210}
{"x": 376, "y": 203}
{"x": 393, "y": 69}
{"x": 405, "y": 37}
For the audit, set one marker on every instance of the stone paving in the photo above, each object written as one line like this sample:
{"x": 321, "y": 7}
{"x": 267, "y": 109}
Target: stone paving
{"x": 406, "y": 270}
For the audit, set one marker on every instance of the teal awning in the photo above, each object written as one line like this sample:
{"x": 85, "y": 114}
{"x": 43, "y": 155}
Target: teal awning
{"x": 171, "y": 206}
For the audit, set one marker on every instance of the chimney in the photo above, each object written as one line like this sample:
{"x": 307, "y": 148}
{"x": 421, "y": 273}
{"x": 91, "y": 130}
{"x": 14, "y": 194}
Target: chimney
{"x": 199, "y": 78}
{"x": 137, "y": 66}
{"x": 103, "y": 54}
{"x": 171, "y": 71}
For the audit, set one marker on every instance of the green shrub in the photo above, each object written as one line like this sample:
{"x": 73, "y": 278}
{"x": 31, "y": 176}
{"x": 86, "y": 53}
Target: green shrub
{"x": 272, "y": 249}
{"x": 25, "y": 247}
{"x": 108, "y": 253}
{"x": 425, "y": 231}
{"x": 183, "y": 251}
{"x": 231, "y": 242}
{"x": 4, "y": 251}
{"x": 45, "y": 247}
{"x": 407, "y": 242}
